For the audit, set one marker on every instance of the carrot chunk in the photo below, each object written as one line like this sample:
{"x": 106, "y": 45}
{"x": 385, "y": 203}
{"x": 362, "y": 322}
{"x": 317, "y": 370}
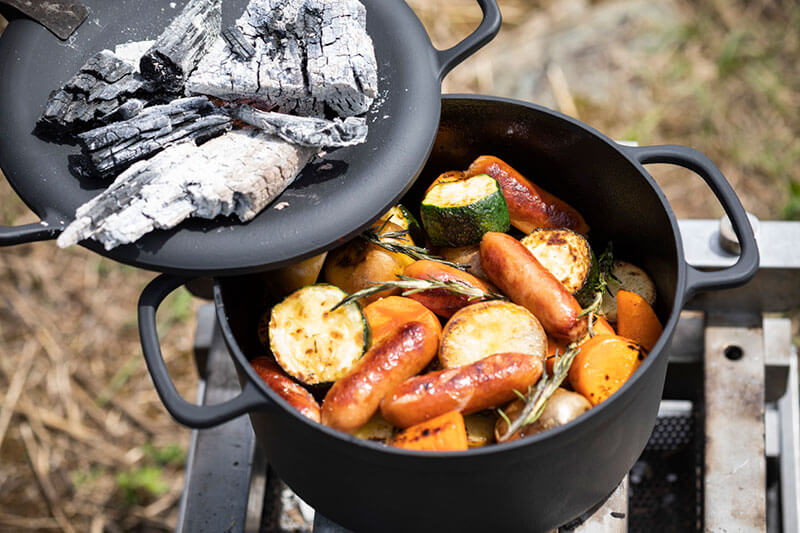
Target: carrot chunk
{"x": 445, "y": 433}
{"x": 603, "y": 365}
{"x": 388, "y": 314}
{"x": 636, "y": 320}
{"x": 601, "y": 327}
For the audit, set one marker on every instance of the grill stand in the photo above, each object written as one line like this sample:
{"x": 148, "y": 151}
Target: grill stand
{"x": 746, "y": 403}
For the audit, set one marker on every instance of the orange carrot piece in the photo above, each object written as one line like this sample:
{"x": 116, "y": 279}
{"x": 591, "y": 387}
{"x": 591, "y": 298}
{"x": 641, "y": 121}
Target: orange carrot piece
{"x": 603, "y": 365}
{"x": 636, "y": 320}
{"x": 388, "y": 314}
{"x": 445, "y": 433}
{"x": 601, "y": 327}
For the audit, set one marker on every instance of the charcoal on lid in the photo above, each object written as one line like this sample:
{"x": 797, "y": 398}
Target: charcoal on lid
{"x": 183, "y": 44}
{"x": 114, "y": 147}
{"x": 238, "y": 173}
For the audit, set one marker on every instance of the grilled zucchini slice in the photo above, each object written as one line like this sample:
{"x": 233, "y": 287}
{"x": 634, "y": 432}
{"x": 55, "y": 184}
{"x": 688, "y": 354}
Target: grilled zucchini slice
{"x": 631, "y": 278}
{"x": 377, "y": 429}
{"x": 480, "y": 428}
{"x": 458, "y": 213}
{"x": 564, "y": 253}
{"x": 401, "y": 216}
{"x": 312, "y": 343}
{"x": 486, "y": 328}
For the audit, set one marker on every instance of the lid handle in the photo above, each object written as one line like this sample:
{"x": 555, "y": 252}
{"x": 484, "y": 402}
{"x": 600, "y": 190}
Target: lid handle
{"x": 485, "y": 32}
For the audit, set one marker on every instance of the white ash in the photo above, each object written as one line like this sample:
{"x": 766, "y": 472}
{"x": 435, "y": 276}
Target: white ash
{"x": 181, "y": 46}
{"x": 341, "y": 67}
{"x": 238, "y": 174}
{"x": 308, "y": 53}
{"x": 306, "y": 131}
{"x": 132, "y": 52}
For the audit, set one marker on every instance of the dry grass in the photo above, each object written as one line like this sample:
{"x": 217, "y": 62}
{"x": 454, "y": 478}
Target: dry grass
{"x": 85, "y": 444}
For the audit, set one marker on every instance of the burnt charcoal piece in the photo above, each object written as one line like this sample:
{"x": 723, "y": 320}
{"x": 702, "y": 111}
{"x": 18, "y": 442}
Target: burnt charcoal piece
{"x": 97, "y": 93}
{"x": 183, "y": 44}
{"x": 273, "y": 76}
{"x": 114, "y": 147}
{"x": 238, "y": 173}
{"x": 306, "y": 131}
{"x": 308, "y": 53}
{"x": 341, "y": 67}
{"x": 238, "y": 43}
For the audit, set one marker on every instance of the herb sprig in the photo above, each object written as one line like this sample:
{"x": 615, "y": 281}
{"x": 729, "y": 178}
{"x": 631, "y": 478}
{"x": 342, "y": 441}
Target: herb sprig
{"x": 415, "y": 252}
{"x": 414, "y": 285}
{"x": 597, "y": 284}
{"x": 537, "y": 397}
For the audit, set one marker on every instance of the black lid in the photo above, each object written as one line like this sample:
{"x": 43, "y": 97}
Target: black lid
{"x": 330, "y": 201}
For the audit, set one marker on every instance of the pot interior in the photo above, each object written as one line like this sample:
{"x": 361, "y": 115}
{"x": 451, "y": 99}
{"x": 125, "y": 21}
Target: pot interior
{"x": 582, "y": 167}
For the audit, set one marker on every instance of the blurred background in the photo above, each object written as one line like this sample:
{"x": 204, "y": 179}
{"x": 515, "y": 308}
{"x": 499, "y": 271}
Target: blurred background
{"x": 85, "y": 444}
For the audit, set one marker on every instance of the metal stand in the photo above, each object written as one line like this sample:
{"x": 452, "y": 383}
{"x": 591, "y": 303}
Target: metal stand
{"x": 732, "y": 390}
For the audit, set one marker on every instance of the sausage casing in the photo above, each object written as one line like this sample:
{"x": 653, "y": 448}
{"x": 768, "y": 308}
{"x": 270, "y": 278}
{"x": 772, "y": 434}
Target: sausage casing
{"x": 517, "y": 273}
{"x": 441, "y": 301}
{"x": 529, "y": 206}
{"x": 481, "y": 385}
{"x": 294, "y": 393}
{"x": 353, "y": 399}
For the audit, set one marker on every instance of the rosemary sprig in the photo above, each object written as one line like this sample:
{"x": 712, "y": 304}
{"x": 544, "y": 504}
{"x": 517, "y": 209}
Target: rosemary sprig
{"x": 414, "y": 285}
{"x": 597, "y": 285}
{"x": 537, "y": 397}
{"x": 415, "y": 252}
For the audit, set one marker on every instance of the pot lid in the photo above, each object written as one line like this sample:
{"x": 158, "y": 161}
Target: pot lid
{"x": 332, "y": 199}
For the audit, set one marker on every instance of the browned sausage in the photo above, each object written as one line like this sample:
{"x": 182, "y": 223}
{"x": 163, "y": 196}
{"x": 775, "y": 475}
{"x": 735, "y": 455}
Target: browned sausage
{"x": 522, "y": 278}
{"x": 481, "y": 385}
{"x": 352, "y": 400}
{"x": 440, "y": 301}
{"x": 529, "y": 206}
{"x": 294, "y": 393}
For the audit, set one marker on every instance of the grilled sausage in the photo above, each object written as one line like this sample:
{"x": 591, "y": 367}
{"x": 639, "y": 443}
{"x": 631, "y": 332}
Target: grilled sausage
{"x": 443, "y": 302}
{"x": 522, "y": 278}
{"x": 529, "y": 206}
{"x": 352, "y": 400}
{"x": 294, "y": 393}
{"x": 481, "y": 385}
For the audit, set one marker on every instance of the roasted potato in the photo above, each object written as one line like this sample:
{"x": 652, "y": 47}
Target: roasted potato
{"x": 631, "y": 278}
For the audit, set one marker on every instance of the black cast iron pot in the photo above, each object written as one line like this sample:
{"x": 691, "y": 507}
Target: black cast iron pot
{"x": 534, "y": 484}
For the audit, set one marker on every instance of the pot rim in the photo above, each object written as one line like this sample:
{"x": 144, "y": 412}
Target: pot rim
{"x": 586, "y": 421}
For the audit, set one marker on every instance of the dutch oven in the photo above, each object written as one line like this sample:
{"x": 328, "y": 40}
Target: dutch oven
{"x": 533, "y": 484}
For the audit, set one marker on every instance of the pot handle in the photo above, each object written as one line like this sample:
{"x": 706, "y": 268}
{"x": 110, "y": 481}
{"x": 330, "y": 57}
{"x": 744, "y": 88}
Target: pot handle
{"x": 485, "y": 32}
{"x": 188, "y": 414}
{"x": 746, "y": 266}
{"x": 38, "y": 231}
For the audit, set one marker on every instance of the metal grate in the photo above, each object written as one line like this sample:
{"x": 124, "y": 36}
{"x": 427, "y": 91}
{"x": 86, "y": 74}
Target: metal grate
{"x": 665, "y": 490}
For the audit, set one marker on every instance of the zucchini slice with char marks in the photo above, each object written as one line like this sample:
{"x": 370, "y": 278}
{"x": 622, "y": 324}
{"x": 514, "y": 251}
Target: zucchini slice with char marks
{"x": 312, "y": 343}
{"x": 487, "y": 328}
{"x": 458, "y": 213}
{"x": 405, "y": 220}
{"x": 564, "y": 253}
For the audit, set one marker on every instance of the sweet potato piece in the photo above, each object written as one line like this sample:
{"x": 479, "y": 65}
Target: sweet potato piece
{"x": 529, "y": 206}
{"x": 445, "y": 433}
{"x": 603, "y": 365}
{"x": 388, "y": 314}
{"x": 601, "y": 327}
{"x": 442, "y": 302}
{"x": 636, "y": 320}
